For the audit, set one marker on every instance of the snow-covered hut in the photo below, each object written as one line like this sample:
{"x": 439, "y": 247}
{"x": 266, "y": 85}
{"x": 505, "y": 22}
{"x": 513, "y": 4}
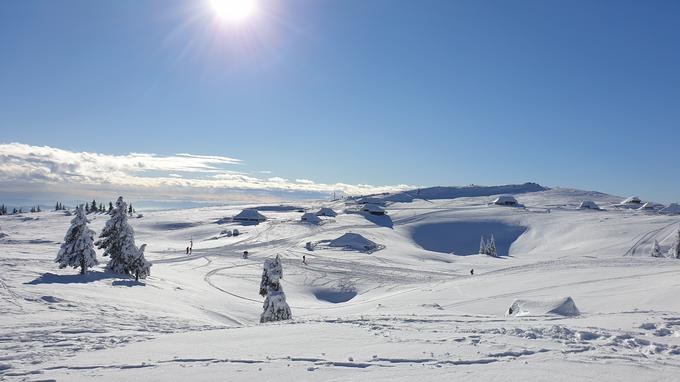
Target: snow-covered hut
{"x": 250, "y": 216}
{"x": 373, "y": 209}
{"x": 310, "y": 218}
{"x": 354, "y": 241}
{"x": 649, "y": 206}
{"x": 325, "y": 211}
{"x": 505, "y": 200}
{"x": 633, "y": 200}
{"x": 588, "y": 205}
{"x": 672, "y": 209}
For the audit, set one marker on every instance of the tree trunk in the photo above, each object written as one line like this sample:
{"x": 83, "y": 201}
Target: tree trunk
{"x": 83, "y": 270}
{"x": 137, "y": 276}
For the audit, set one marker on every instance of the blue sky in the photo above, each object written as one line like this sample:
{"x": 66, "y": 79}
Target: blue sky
{"x": 581, "y": 94}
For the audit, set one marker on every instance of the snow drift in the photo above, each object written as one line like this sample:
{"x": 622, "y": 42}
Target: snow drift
{"x": 562, "y": 307}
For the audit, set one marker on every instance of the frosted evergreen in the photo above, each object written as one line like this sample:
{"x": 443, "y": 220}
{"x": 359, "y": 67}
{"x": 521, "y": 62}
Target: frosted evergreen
{"x": 118, "y": 241}
{"x": 275, "y": 307}
{"x": 77, "y": 250}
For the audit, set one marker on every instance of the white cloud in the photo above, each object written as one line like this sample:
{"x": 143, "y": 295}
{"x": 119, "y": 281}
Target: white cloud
{"x": 204, "y": 175}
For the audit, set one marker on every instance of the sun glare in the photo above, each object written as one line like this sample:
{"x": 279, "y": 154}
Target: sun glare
{"x": 234, "y": 11}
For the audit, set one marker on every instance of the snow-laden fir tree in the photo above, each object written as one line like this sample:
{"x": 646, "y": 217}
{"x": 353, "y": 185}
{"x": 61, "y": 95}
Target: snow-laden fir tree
{"x": 482, "y": 246}
{"x": 656, "y": 249}
{"x": 118, "y": 241}
{"x": 139, "y": 267}
{"x": 77, "y": 250}
{"x": 275, "y": 307}
{"x": 675, "y": 248}
{"x": 491, "y": 247}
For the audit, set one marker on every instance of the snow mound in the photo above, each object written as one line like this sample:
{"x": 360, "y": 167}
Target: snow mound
{"x": 354, "y": 241}
{"x": 562, "y": 307}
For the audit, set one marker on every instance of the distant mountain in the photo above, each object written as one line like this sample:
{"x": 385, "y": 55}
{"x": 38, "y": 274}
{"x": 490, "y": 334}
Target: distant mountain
{"x": 433, "y": 193}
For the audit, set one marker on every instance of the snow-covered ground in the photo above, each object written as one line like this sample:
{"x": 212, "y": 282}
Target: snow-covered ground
{"x": 408, "y": 311}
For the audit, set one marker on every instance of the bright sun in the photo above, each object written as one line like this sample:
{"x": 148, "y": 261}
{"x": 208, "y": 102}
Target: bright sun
{"x": 234, "y": 11}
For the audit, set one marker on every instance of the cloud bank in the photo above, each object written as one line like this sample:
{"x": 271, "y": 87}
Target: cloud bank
{"x": 27, "y": 168}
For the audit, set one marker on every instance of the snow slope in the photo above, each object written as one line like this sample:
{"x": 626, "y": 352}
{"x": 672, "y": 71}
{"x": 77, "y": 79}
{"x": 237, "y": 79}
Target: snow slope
{"x": 410, "y": 311}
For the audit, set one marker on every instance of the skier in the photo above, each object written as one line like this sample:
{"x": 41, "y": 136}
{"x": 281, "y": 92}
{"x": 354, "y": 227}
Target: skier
{"x": 304, "y": 259}
{"x": 245, "y": 254}
{"x": 187, "y": 250}
{"x": 472, "y": 272}
{"x": 191, "y": 245}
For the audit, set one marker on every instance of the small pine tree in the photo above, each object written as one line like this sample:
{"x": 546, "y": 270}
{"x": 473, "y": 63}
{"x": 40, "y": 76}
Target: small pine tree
{"x": 675, "y": 248}
{"x": 110, "y": 207}
{"x": 77, "y": 250}
{"x": 482, "y": 246}
{"x": 118, "y": 241}
{"x": 491, "y": 247}
{"x": 130, "y": 209}
{"x": 37, "y": 209}
{"x": 93, "y": 206}
{"x": 87, "y": 208}
{"x": 139, "y": 266}
{"x": 275, "y": 307}
{"x": 14, "y": 211}
{"x": 656, "y": 249}
{"x": 56, "y": 207}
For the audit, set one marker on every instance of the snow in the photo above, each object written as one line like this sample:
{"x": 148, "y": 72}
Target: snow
{"x": 410, "y": 311}
{"x": 560, "y": 306}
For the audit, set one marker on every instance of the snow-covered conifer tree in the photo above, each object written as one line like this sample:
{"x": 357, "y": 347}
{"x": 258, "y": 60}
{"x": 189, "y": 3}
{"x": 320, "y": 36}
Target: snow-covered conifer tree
{"x": 139, "y": 267}
{"x": 93, "y": 206}
{"x": 118, "y": 241}
{"x": 675, "y": 248}
{"x": 491, "y": 247}
{"x": 77, "y": 250}
{"x": 275, "y": 306}
{"x": 482, "y": 246}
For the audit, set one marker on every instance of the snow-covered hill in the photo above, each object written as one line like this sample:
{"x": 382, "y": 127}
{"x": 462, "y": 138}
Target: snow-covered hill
{"x": 410, "y": 310}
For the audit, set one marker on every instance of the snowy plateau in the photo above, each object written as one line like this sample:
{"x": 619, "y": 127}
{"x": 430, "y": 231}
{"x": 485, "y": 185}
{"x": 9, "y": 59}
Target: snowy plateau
{"x": 572, "y": 295}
